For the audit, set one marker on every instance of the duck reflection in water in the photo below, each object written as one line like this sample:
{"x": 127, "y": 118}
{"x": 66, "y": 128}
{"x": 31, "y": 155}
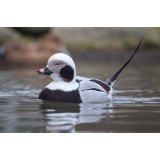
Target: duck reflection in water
{"x": 64, "y": 117}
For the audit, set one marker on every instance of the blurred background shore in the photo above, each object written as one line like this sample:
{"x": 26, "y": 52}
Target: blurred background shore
{"x": 32, "y": 46}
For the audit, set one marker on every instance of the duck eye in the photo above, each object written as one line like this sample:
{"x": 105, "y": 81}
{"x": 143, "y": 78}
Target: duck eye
{"x": 57, "y": 64}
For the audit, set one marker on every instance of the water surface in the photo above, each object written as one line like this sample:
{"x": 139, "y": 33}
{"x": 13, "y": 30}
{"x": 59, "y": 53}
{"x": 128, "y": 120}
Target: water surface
{"x": 135, "y": 106}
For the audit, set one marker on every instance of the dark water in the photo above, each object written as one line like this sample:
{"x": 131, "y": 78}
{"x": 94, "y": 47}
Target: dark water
{"x": 135, "y": 106}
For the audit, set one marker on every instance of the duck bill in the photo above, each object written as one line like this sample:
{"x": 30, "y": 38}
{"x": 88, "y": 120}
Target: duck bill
{"x": 45, "y": 70}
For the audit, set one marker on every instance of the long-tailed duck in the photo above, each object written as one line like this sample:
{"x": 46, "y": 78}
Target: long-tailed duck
{"x": 67, "y": 87}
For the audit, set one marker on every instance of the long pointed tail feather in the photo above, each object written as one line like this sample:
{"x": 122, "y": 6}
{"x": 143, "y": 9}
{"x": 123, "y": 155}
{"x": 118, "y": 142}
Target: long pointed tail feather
{"x": 112, "y": 79}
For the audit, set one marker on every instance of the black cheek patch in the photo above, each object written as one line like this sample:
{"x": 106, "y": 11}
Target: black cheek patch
{"x": 67, "y": 72}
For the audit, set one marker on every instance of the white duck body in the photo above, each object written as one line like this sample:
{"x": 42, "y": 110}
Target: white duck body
{"x": 88, "y": 89}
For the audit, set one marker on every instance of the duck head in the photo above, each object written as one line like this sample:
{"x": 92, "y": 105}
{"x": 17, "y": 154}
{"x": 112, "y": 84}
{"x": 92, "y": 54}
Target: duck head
{"x": 60, "y": 68}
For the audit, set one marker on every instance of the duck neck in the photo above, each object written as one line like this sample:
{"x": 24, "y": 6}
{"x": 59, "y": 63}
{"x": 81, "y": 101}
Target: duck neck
{"x": 59, "y": 79}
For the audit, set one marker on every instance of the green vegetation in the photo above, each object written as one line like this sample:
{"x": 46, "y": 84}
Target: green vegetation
{"x": 110, "y": 39}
